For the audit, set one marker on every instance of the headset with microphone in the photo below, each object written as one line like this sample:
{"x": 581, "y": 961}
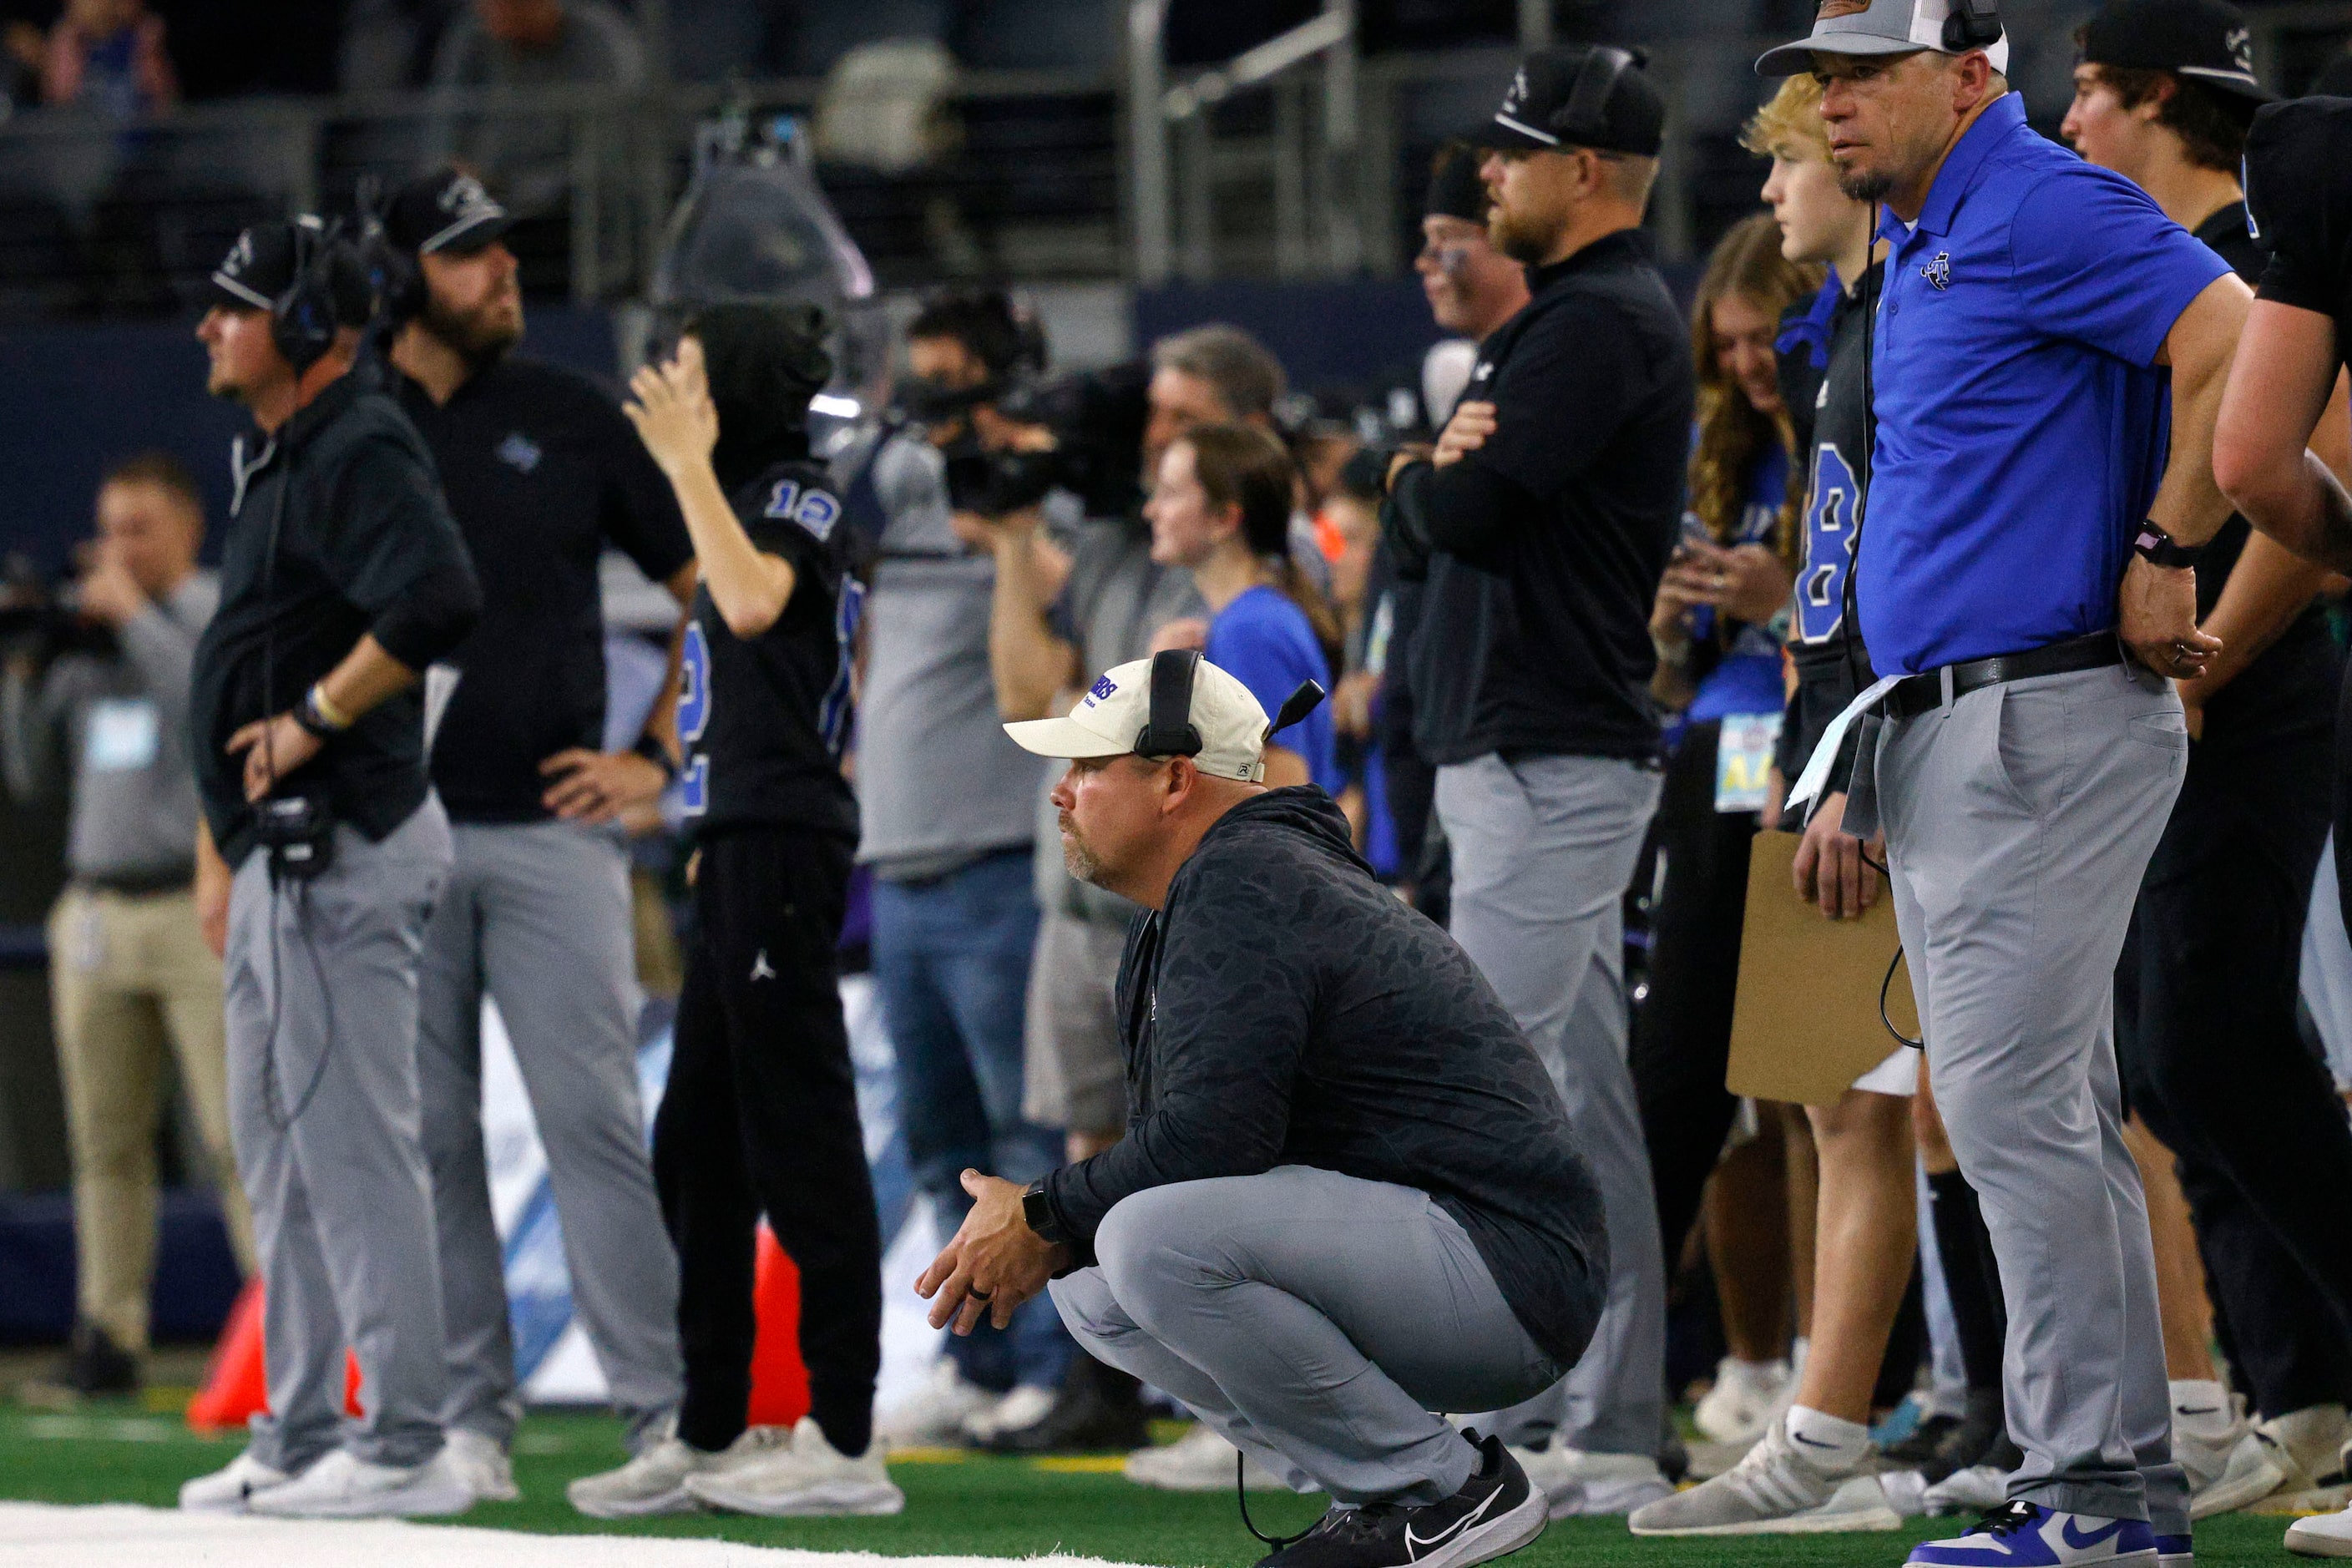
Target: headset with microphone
{"x": 393, "y": 274}
{"x": 1169, "y": 731}
{"x": 303, "y": 319}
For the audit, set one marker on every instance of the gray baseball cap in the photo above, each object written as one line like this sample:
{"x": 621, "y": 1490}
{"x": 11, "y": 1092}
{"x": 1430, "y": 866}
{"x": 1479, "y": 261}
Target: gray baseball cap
{"x": 1872, "y": 27}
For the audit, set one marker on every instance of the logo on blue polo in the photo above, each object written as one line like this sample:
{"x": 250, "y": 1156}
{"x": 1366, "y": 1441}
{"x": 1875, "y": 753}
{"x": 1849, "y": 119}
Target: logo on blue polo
{"x": 519, "y": 452}
{"x": 1939, "y": 271}
{"x": 1102, "y": 690}
{"x": 813, "y": 509}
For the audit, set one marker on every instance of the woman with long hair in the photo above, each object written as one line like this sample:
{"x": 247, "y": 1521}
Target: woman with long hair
{"x": 1221, "y": 509}
{"x": 1718, "y": 626}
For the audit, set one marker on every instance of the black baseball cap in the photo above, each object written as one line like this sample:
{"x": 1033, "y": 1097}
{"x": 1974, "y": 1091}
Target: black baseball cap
{"x": 446, "y": 210}
{"x": 1454, "y": 188}
{"x": 2207, "y": 41}
{"x": 261, "y": 267}
{"x": 1597, "y": 96}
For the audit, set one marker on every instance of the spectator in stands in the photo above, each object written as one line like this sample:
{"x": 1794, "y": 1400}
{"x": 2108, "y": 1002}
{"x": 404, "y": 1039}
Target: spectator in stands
{"x": 130, "y": 978}
{"x": 523, "y": 45}
{"x": 1220, "y": 508}
{"x": 1057, "y": 616}
{"x": 109, "y": 55}
{"x": 948, "y": 805}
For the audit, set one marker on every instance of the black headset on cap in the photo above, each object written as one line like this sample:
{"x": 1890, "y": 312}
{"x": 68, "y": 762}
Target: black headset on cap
{"x": 1973, "y": 24}
{"x": 1169, "y": 730}
{"x": 393, "y": 274}
{"x": 303, "y": 319}
{"x": 1584, "y": 118}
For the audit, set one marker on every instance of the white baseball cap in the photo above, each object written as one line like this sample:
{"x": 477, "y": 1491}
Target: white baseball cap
{"x": 1110, "y": 721}
{"x": 1872, "y": 27}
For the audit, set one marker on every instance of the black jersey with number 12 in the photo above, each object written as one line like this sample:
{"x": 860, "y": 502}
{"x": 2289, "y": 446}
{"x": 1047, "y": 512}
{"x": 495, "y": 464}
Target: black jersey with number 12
{"x": 763, "y": 720}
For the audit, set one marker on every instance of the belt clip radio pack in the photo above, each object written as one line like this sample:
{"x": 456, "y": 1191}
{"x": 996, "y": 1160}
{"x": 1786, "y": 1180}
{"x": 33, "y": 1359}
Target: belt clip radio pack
{"x": 298, "y": 831}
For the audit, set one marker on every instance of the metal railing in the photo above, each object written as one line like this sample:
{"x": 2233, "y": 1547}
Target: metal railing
{"x": 149, "y": 209}
{"x": 1290, "y": 160}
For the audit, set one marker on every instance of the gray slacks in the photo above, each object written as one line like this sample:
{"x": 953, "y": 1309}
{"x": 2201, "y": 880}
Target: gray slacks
{"x": 1313, "y": 1318}
{"x": 321, "y": 984}
{"x": 1543, "y": 848}
{"x": 2019, "y": 822}
{"x": 536, "y": 916}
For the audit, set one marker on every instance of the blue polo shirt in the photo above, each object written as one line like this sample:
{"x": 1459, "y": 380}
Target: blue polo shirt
{"x": 2023, "y": 422}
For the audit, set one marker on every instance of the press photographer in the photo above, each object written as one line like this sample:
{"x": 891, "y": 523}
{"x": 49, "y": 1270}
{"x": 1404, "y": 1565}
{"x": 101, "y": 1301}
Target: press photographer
{"x": 94, "y": 701}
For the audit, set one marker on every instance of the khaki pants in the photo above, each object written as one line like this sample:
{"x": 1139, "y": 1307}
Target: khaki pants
{"x": 130, "y": 977}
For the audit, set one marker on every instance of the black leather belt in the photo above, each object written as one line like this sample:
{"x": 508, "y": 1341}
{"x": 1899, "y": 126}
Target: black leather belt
{"x": 1926, "y": 694}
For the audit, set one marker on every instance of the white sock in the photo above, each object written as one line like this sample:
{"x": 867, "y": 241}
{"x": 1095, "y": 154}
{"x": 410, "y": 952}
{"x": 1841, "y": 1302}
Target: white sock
{"x": 1827, "y": 1441}
{"x": 2201, "y": 1407}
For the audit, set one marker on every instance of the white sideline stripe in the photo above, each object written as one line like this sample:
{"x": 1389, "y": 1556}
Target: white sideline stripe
{"x": 42, "y": 1535}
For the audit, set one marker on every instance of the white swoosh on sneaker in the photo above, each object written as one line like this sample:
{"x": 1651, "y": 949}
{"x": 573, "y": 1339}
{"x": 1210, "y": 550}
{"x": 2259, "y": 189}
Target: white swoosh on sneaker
{"x": 1416, "y": 1545}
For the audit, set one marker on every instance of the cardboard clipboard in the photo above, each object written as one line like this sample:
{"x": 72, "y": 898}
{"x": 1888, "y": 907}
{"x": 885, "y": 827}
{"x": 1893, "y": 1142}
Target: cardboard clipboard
{"x": 1805, "y": 1024}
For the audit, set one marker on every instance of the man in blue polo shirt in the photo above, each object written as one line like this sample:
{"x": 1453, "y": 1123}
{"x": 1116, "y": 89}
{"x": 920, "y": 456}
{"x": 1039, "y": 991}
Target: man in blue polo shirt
{"x": 2048, "y": 363}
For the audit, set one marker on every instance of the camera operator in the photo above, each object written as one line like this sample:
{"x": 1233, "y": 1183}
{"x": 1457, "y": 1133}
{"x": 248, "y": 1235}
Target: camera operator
{"x": 542, "y": 474}
{"x": 948, "y": 810}
{"x": 343, "y": 577}
{"x": 1542, "y": 525}
{"x": 105, "y": 704}
{"x": 1103, "y": 603}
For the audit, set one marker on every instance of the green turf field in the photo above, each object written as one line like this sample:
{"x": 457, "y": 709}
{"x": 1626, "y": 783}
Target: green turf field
{"x": 996, "y": 1507}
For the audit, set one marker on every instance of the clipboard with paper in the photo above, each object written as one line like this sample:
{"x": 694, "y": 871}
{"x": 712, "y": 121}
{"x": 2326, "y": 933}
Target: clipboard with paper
{"x": 1805, "y": 1022}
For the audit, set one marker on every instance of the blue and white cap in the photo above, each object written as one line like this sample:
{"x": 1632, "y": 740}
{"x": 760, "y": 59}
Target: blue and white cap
{"x": 1116, "y": 708}
{"x": 1872, "y": 27}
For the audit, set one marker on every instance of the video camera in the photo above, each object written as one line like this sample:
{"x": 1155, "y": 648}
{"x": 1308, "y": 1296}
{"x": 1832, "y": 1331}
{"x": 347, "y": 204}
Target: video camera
{"x": 1088, "y": 433}
{"x": 46, "y": 619}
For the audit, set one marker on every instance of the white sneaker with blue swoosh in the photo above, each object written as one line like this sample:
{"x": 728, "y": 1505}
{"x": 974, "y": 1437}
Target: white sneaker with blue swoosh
{"x": 2027, "y": 1535}
{"x": 1496, "y": 1513}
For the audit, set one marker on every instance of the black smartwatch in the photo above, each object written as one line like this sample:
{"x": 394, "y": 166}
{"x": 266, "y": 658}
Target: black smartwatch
{"x": 1037, "y": 1209}
{"x": 2157, "y": 548}
{"x": 654, "y": 752}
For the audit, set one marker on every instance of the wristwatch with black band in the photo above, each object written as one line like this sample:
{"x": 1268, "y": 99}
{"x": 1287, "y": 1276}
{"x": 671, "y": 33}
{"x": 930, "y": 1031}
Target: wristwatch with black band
{"x": 2157, "y": 548}
{"x": 1037, "y": 1209}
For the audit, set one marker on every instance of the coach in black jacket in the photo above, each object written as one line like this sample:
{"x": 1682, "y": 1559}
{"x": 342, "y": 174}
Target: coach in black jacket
{"x": 1346, "y": 1195}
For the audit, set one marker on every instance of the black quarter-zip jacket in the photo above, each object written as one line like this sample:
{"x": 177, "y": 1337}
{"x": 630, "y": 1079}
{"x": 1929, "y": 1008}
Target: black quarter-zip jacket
{"x": 1284, "y": 1008}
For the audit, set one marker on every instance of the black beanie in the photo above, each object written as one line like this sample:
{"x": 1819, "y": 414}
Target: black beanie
{"x": 764, "y": 363}
{"x": 1454, "y": 188}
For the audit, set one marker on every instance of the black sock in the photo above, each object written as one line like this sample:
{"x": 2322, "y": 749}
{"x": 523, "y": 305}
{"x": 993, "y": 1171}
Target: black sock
{"x": 846, "y": 1418}
{"x": 1970, "y": 1280}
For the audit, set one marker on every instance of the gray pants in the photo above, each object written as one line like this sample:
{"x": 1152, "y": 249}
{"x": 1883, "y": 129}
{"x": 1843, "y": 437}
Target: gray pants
{"x": 1543, "y": 848}
{"x": 536, "y": 916}
{"x": 1313, "y": 1318}
{"x": 322, "y": 999}
{"x": 2019, "y": 822}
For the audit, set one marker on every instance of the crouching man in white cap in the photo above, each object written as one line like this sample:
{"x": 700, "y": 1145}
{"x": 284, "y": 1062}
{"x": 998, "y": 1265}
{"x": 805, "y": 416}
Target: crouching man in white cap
{"x": 1346, "y": 1195}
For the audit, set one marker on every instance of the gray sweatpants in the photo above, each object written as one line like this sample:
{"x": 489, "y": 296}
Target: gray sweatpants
{"x": 1315, "y": 1320}
{"x": 322, "y": 999}
{"x": 1543, "y": 848}
{"x": 537, "y": 915}
{"x": 2019, "y": 823}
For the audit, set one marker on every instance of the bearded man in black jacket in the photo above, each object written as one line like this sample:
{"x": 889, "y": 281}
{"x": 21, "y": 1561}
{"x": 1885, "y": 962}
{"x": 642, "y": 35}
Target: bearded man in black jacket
{"x": 1346, "y": 1195}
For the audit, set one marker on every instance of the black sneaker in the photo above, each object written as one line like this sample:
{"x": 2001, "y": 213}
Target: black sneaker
{"x": 1494, "y": 1514}
{"x": 1097, "y": 1409}
{"x": 94, "y": 1367}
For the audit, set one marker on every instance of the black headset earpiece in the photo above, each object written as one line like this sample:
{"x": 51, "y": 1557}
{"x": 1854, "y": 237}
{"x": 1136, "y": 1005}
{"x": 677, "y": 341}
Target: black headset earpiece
{"x": 394, "y": 276}
{"x": 1973, "y": 24}
{"x": 1584, "y": 118}
{"x": 1169, "y": 731}
{"x": 302, "y": 319}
